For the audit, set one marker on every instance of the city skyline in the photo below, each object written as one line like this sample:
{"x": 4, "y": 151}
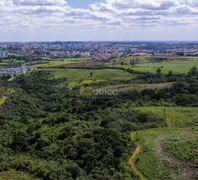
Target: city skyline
{"x": 98, "y": 20}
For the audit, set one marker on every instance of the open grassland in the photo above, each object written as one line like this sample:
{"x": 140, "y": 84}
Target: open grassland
{"x": 52, "y": 64}
{"x": 167, "y": 153}
{"x": 176, "y": 66}
{"x": 76, "y": 59}
{"x": 10, "y": 63}
{"x": 76, "y": 76}
{"x": 143, "y": 63}
{"x": 126, "y": 60}
{"x": 62, "y": 62}
{"x": 137, "y": 87}
{"x": 151, "y": 64}
{"x": 5, "y": 63}
{"x": 175, "y": 116}
{"x": 15, "y": 175}
{"x": 14, "y": 54}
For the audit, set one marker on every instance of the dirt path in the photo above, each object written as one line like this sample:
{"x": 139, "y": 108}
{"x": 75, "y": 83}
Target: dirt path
{"x": 133, "y": 166}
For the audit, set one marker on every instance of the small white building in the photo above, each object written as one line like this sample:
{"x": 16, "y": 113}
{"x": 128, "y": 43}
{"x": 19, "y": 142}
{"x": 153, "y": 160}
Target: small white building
{"x": 3, "y": 54}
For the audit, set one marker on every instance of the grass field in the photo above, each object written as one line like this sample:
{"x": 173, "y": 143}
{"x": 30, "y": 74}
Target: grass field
{"x": 146, "y": 64}
{"x": 52, "y": 64}
{"x": 62, "y": 62}
{"x": 175, "y": 66}
{"x": 175, "y": 116}
{"x": 137, "y": 87}
{"x": 167, "y": 153}
{"x": 126, "y": 60}
{"x": 4, "y": 63}
{"x": 14, "y": 54}
{"x": 75, "y": 76}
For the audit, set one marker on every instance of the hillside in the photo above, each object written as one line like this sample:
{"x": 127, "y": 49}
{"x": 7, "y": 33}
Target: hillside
{"x": 50, "y": 130}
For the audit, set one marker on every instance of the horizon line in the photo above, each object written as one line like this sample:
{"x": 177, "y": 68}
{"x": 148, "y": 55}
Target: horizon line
{"x": 102, "y": 41}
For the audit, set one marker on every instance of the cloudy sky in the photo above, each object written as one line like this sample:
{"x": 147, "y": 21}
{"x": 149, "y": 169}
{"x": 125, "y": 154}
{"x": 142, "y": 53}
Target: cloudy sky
{"x": 66, "y": 20}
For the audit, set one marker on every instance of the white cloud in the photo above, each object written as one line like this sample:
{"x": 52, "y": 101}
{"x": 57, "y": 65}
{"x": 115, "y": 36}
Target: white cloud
{"x": 121, "y": 14}
{"x": 143, "y": 4}
{"x": 39, "y": 2}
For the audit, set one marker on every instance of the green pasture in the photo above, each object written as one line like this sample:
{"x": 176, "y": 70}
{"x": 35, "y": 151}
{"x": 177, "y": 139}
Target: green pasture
{"x": 76, "y": 76}
{"x": 52, "y": 64}
{"x": 9, "y": 63}
{"x": 175, "y": 66}
{"x": 127, "y": 59}
{"x": 14, "y": 54}
{"x": 175, "y": 116}
{"x": 76, "y": 59}
{"x": 146, "y": 64}
{"x": 62, "y": 62}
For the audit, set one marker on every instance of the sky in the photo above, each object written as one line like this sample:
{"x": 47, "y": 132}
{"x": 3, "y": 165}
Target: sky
{"x": 98, "y": 20}
{"x": 82, "y": 3}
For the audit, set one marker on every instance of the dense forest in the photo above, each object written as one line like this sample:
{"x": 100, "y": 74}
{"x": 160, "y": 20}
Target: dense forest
{"x": 51, "y": 132}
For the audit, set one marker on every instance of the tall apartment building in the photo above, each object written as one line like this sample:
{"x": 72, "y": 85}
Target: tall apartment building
{"x": 3, "y": 54}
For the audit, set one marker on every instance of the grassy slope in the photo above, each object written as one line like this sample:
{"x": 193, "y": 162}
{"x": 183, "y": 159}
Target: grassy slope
{"x": 76, "y": 75}
{"x": 137, "y": 87}
{"x": 167, "y": 153}
{"x": 164, "y": 153}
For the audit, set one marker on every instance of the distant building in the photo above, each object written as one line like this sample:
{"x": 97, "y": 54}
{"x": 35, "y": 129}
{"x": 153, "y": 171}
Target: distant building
{"x": 3, "y": 54}
{"x": 14, "y": 71}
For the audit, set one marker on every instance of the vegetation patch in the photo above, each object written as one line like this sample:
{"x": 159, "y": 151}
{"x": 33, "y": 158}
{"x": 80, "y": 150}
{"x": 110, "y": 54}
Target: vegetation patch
{"x": 175, "y": 116}
{"x": 137, "y": 87}
{"x": 16, "y": 175}
{"x": 2, "y": 99}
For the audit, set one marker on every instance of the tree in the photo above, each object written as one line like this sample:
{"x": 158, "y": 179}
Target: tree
{"x": 159, "y": 72}
{"x": 132, "y": 62}
{"x": 193, "y": 71}
{"x": 170, "y": 73}
{"x": 180, "y": 53}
